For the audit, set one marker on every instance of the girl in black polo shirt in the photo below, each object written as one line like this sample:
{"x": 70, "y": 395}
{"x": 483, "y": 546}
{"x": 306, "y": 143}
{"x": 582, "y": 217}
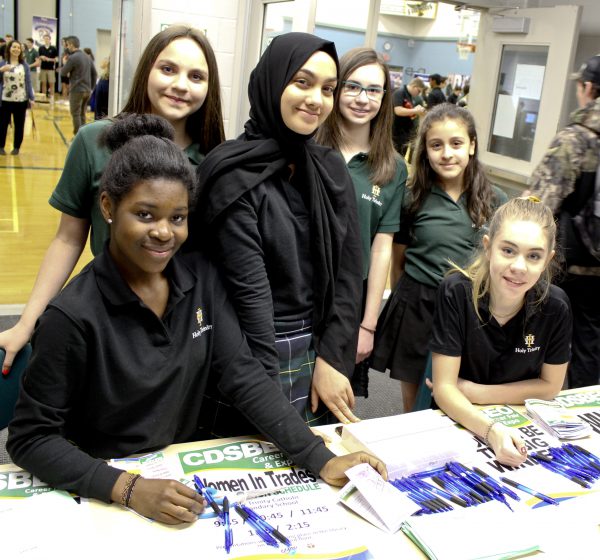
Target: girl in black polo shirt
{"x": 501, "y": 331}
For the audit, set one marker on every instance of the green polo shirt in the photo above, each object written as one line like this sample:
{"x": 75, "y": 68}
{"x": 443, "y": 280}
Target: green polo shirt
{"x": 379, "y": 207}
{"x": 442, "y": 231}
{"x": 76, "y": 193}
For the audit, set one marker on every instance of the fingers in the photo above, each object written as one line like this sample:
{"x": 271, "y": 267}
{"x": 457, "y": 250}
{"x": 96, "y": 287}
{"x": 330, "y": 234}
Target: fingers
{"x": 8, "y": 360}
{"x": 321, "y": 434}
{"x": 429, "y": 383}
{"x": 341, "y": 411}
{"x": 314, "y": 399}
{"x": 376, "y": 463}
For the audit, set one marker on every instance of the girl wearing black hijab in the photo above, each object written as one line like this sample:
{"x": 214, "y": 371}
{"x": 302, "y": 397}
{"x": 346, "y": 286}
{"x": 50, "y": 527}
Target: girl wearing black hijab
{"x": 280, "y": 214}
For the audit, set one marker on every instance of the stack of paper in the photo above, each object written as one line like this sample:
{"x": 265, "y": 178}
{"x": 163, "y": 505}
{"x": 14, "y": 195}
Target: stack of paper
{"x": 488, "y": 531}
{"x": 557, "y": 420}
{"x": 410, "y": 443}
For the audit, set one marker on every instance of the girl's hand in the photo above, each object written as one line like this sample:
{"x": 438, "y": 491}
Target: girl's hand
{"x": 334, "y": 389}
{"x": 167, "y": 501}
{"x": 365, "y": 345}
{"x": 507, "y": 444}
{"x": 12, "y": 340}
{"x": 334, "y": 470}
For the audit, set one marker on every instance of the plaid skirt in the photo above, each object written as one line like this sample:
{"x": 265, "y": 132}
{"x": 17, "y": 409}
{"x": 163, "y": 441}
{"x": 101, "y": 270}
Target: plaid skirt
{"x": 294, "y": 343}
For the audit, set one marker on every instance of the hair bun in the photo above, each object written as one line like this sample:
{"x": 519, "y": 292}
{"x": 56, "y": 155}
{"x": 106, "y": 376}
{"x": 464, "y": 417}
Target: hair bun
{"x": 129, "y": 126}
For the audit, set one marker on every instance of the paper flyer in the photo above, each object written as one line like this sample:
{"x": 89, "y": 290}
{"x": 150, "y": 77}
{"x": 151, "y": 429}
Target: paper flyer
{"x": 302, "y": 507}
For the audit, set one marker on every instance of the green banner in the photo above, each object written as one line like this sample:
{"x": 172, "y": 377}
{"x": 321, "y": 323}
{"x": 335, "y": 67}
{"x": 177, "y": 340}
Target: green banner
{"x": 21, "y": 484}
{"x": 580, "y": 399}
{"x": 246, "y": 455}
{"x": 507, "y": 415}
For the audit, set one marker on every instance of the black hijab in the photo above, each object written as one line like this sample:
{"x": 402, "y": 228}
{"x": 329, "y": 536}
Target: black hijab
{"x": 267, "y": 147}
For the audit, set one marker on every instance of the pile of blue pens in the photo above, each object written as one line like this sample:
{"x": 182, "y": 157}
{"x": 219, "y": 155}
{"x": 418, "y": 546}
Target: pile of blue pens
{"x": 462, "y": 486}
{"x": 267, "y": 533}
{"x": 571, "y": 461}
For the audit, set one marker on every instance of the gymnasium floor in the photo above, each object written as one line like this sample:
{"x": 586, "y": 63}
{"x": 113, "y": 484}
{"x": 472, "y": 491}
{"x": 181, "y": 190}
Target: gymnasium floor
{"x": 27, "y": 221}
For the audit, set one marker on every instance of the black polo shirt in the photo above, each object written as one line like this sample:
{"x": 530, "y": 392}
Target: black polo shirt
{"x": 403, "y": 126}
{"x": 492, "y": 354}
{"x": 108, "y": 378}
{"x": 50, "y": 52}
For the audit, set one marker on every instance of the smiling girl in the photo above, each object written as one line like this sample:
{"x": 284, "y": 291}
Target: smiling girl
{"x": 360, "y": 127}
{"x": 280, "y": 214}
{"x": 447, "y": 205}
{"x": 501, "y": 331}
{"x": 118, "y": 367}
{"x": 16, "y": 94}
{"x": 176, "y": 78}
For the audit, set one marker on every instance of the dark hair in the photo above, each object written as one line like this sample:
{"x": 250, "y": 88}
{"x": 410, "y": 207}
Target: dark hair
{"x": 30, "y": 39}
{"x": 478, "y": 190}
{"x": 142, "y": 148}
{"x": 73, "y": 40}
{"x": 7, "y": 51}
{"x": 89, "y": 52}
{"x": 205, "y": 126}
{"x": 382, "y": 157}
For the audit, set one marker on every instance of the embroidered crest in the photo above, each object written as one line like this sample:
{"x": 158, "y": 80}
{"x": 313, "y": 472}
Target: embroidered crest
{"x": 529, "y": 340}
{"x": 376, "y": 190}
{"x": 199, "y": 316}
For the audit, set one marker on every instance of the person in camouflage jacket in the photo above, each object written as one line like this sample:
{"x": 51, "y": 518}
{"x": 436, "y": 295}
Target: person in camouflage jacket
{"x": 565, "y": 180}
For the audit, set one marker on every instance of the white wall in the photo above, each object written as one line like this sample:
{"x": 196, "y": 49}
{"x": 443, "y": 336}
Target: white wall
{"x": 30, "y": 8}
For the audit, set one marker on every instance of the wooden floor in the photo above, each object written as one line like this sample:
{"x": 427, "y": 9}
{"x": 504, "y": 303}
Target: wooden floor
{"x": 27, "y": 222}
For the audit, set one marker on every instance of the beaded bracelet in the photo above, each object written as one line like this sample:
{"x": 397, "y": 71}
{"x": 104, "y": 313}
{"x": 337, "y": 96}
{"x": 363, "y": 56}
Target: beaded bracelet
{"x": 130, "y": 489}
{"x": 126, "y": 489}
{"x": 372, "y": 331}
{"x": 488, "y": 430}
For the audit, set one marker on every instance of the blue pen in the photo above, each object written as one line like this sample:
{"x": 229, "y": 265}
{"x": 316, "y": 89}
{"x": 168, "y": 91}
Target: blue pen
{"x": 558, "y": 462}
{"x": 583, "y": 459}
{"x": 228, "y": 533}
{"x": 206, "y": 495}
{"x": 528, "y": 490}
{"x": 592, "y": 460}
{"x": 461, "y": 485}
{"x": 440, "y": 481}
{"x": 461, "y": 472}
{"x": 432, "y": 498}
{"x": 265, "y": 537}
{"x": 426, "y": 506}
{"x": 423, "y": 490}
{"x": 481, "y": 483}
{"x": 498, "y": 487}
{"x": 558, "y": 469}
{"x": 443, "y": 494}
{"x": 577, "y": 463}
{"x": 265, "y": 525}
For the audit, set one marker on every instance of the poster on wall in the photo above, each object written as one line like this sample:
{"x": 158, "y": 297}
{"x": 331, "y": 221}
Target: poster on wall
{"x": 42, "y": 26}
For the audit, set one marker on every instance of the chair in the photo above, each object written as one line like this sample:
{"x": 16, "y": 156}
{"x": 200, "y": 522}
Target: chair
{"x": 423, "y": 400}
{"x": 10, "y": 384}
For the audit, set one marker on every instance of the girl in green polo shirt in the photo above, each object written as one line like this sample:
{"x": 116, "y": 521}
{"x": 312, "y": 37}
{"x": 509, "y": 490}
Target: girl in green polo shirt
{"x": 176, "y": 78}
{"x": 448, "y": 203}
{"x": 360, "y": 127}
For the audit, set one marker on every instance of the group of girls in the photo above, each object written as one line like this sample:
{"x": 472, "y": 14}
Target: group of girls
{"x": 151, "y": 331}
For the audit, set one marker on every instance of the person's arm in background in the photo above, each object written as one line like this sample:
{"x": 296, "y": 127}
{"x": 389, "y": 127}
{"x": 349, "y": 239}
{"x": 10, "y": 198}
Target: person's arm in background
{"x": 555, "y": 176}
{"x": 64, "y": 249}
{"x": 400, "y": 111}
{"x": 58, "y": 264}
{"x": 381, "y": 254}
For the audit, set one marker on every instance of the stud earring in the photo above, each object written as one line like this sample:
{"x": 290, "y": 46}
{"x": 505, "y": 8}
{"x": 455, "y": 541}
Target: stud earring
{"x": 109, "y": 221}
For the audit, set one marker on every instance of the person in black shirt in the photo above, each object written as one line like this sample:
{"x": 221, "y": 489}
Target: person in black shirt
{"x": 501, "y": 331}
{"x": 406, "y": 113}
{"x": 125, "y": 357}
{"x": 48, "y": 55}
{"x": 436, "y": 95}
{"x": 281, "y": 215}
